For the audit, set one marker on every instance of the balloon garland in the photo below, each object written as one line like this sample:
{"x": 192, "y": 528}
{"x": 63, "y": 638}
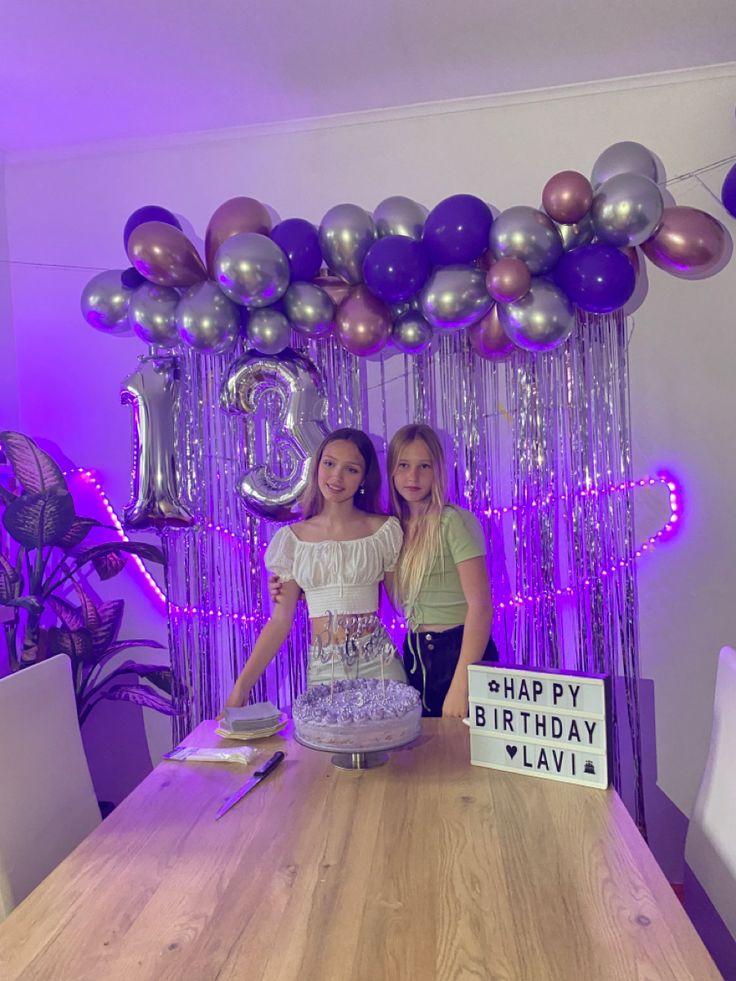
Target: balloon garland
{"x": 401, "y": 274}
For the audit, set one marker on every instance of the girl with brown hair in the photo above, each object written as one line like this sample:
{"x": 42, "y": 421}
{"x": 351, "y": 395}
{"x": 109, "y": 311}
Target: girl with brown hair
{"x": 339, "y": 555}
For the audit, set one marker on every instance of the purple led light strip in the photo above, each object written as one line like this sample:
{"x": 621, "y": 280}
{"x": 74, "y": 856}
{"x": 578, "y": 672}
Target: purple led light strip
{"x": 664, "y": 533}
{"x": 88, "y": 477}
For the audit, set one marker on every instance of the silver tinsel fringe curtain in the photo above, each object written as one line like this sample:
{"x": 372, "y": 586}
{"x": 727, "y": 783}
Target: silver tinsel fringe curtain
{"x": 538, "y": 447}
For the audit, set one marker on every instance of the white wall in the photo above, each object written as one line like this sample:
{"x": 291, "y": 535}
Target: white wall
{"x": 66, "y": 212}
{"x": 8, "y": 371}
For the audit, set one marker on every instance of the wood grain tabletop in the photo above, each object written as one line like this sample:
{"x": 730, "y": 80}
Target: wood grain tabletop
{"x": 425, "y": 869}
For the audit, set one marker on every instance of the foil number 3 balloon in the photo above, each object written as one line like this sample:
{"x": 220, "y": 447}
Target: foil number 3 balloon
{"x": 293, "y": 394}
{"x": 153, "y": 392}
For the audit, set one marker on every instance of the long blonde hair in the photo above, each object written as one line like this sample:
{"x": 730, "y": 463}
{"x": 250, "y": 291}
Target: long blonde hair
{"x": 423, "y": 534}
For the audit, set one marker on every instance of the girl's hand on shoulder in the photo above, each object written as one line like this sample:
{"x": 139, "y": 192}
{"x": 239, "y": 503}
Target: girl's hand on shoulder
{"x": 455, "y": 705}
{"x": 274, "y": 588}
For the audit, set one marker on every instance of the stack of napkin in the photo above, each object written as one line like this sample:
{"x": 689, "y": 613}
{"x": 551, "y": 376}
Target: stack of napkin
{"x": 262, "y": 718}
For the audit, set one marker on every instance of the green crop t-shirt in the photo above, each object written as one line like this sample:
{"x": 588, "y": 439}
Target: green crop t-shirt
{"x": 441, "y": 599}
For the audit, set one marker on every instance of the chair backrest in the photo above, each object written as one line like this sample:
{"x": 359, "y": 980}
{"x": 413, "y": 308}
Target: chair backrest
{"x": 47, "y": 802}
{"x": 710, "y": 846}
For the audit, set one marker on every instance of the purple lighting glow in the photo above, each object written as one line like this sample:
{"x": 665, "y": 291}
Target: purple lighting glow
{"x": 670, "y": 527}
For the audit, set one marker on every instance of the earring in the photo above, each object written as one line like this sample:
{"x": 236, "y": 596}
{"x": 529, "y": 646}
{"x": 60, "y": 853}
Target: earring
{"x": 361, "y": 490}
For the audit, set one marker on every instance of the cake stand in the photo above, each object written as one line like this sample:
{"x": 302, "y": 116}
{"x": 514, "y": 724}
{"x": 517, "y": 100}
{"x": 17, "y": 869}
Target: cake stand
{"x": 355, "y": 759}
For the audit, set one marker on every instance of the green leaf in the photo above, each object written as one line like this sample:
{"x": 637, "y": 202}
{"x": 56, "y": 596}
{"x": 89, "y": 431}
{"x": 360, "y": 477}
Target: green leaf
{"x": 11, "y": 583}
{"x": 70, "y": 616}
{"x": 89, "y": 609}
{"x": 140, "y": 695}
{"x": 40, "y": 519}
{"x": 109, "y": 618}
{"x": 76, "y": 643}
{"x": 157, "y": 674}
{"x": 29, "y": 603}
{"x": 33, "y": 468}
{"x": 149, "y": 553}
{"x": 123, "y": 645}
{"x": 109, "y": 565}
{"x": 79, "y": 530}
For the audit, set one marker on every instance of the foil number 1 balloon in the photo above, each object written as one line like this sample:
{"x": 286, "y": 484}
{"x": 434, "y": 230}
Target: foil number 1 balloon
{"x": 291, "y": 388}
{"x": 153, "y": 392}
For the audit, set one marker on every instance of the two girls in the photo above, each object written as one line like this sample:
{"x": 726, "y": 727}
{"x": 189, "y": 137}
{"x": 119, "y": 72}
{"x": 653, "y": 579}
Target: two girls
{"x": 442, "y": 582}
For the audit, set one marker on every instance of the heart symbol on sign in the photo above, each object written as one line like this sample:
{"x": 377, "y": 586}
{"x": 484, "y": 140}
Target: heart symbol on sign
{"x": 512, "y": 751}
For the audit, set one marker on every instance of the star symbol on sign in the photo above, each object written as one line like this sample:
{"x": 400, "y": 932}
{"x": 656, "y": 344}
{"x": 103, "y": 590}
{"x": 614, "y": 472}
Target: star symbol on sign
{"x": 494, "y": 687}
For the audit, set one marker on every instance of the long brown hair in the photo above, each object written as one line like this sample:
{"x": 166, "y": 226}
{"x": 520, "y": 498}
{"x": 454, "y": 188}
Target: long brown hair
{"x": 368, "y": 497}
{"x": 423, "y": 534}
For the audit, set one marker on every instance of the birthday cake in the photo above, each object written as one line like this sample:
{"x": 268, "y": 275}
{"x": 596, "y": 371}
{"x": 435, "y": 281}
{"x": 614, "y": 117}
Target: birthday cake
{"x": 365, "y": 715}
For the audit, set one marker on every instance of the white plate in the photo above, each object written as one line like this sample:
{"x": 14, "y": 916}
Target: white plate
{"x": 259, "y": 734}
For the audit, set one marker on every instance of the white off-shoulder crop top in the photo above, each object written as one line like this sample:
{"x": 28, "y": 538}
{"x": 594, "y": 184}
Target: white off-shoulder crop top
{"x": 337, "y": 577}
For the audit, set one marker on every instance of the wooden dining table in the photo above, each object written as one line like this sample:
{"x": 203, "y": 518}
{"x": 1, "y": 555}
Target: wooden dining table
{"x": 426, "y": 868}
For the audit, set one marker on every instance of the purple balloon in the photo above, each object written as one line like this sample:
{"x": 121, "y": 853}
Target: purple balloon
{"x": 728, "y": 192}
{"x": 132, "y": 279}
{"x": 149, "y": 212}
{"x": 456, "y": 230}
{"x": 299, "y": 239}
{"x": 598, "y": 278}
{"x": 395, "y": 268}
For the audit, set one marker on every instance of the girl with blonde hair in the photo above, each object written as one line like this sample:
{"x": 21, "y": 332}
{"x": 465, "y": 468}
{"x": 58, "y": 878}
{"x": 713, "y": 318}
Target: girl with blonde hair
{"x": 441, "y": 579}
{"x": 339, "y": 555}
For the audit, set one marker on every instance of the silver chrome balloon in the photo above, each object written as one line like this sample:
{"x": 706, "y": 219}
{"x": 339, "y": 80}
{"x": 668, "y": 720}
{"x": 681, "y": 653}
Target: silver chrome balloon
{"x": 153, "y": 392}
{"x": 626, "y": 157}
{"x": 152, "y": 314}
{"x": 539, "y": 321}
{"x": 309, "y": 309}
{"x": 297, "y": 427}
{"x": 206, "y": 319}
{"x": 525, "y": 233}
{"x": 268, "y": 331}
{"x": 411, "y": 333}
{"x": 345, "y": 235}
{"x": 573, "y": 236}
{"x": 251, "y": 269}
{"x": 104, "y": 302}
{"x": 455, "y": 297}
{"x": 398, "y": 215}
{"x": 627, "y": 210}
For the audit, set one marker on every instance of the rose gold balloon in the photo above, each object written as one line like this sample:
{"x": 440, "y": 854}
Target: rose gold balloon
{"x": 689, "y": 243}
{"x": 567, "y": 197}
{"x": 337, "y": 289}
{"x": 231, "y": 218}
{"x": 508, "y": 280}
{"x": 164, "y": 255}
{"x": 488, "y": 338}
{"x": 362, "y": 322}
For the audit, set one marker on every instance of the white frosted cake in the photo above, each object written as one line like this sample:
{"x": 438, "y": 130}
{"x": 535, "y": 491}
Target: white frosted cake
{"x": 358, "y": 716}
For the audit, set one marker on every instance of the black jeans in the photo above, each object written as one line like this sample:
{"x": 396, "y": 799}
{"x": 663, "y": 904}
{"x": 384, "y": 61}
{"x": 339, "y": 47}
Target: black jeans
{"x": 430, "y": 660}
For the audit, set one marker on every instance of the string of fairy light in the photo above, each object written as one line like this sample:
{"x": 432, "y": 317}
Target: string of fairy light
{"x": 663, "y": 480}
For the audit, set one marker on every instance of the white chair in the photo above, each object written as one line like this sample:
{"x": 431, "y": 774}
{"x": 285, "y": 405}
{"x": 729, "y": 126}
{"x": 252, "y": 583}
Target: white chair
{"x": 710, "y": 846}
{"x": 47, "y": 802}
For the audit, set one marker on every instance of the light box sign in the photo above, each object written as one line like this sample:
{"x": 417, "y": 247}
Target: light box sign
{"x": 542, "y": 722}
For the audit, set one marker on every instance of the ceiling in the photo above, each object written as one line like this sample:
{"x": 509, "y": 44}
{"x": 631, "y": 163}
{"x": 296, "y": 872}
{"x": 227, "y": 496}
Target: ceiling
{"x": 84, "y": 71}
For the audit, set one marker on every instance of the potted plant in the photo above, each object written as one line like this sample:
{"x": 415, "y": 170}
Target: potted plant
{"x": 43, "y": 563}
